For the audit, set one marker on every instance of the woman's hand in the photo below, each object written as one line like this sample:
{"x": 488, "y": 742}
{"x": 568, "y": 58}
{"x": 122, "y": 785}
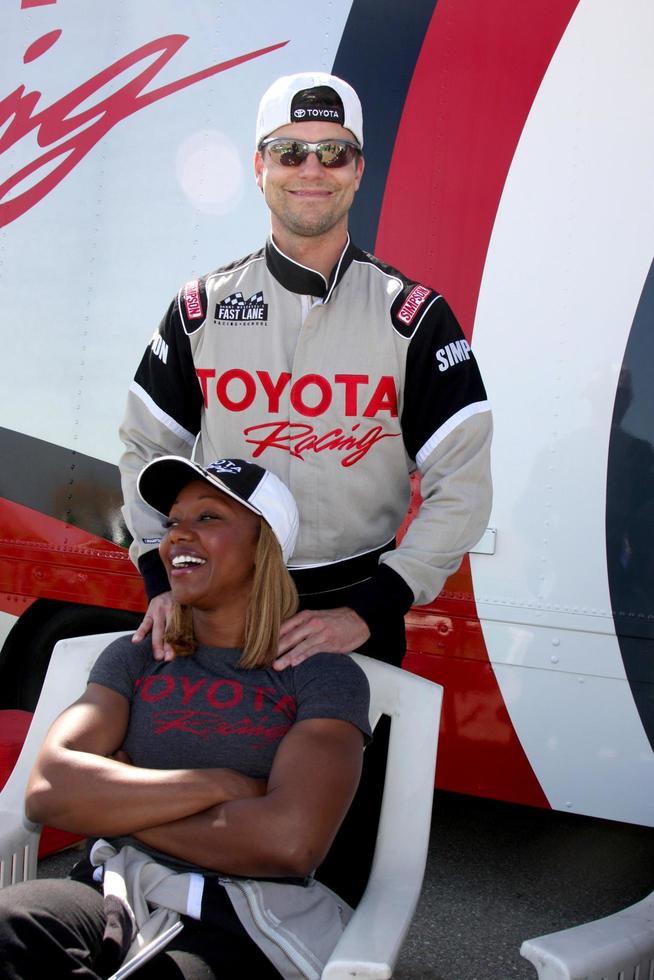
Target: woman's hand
{"x": 235, "y": 786}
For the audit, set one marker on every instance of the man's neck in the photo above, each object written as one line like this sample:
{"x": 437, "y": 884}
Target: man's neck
{"x": 320, "y": 253}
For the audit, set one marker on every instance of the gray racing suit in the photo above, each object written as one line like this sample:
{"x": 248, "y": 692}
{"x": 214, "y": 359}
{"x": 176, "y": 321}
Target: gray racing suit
{"x": 342, "y": 388}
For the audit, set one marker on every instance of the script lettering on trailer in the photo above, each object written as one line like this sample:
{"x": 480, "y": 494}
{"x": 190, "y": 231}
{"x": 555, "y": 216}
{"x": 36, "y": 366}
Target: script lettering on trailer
{"x": 66, "y": 135}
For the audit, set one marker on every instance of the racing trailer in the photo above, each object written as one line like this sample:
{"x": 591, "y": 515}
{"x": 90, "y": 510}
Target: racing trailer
{"x": 509, "y": 154}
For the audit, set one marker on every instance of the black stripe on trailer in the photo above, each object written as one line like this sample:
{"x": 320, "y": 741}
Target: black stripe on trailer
{"x": 377, "y": 55}
{"x": 63, "y": 483}
{"x": 630, "y": 509}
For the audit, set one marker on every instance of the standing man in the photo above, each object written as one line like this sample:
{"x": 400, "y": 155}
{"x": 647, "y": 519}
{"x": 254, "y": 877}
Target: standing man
{"x": 339, "y": 374}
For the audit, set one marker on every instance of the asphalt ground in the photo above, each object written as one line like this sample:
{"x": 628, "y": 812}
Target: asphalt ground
{"x": 497, "y": 874}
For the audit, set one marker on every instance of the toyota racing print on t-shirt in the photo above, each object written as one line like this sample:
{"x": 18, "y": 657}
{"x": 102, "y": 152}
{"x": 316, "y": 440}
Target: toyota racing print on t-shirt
{"x": 210, "y": 707}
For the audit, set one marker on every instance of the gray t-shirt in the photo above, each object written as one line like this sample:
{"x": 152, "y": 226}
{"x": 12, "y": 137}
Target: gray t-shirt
{"x": 203, "y": 711}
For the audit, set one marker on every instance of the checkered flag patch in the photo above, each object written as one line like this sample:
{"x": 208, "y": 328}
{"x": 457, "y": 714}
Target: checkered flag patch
{"x": 236, "y": 299}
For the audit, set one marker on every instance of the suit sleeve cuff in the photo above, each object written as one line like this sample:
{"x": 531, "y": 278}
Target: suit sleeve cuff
{"x": 384, "y": 598}
{"x": 154, "y": 575}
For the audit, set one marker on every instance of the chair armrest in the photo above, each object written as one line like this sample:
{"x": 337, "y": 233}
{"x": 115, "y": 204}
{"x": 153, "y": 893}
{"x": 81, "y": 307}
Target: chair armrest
{"x": 64, "y": 681}
{"x": 371, "y": 942}
{"x": 19, "y": 847}
{"x": 612, "y": 947}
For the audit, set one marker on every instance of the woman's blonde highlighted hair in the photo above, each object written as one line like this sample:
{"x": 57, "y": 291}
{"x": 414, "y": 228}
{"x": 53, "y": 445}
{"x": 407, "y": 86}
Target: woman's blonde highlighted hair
{"x": 272, "y": 600}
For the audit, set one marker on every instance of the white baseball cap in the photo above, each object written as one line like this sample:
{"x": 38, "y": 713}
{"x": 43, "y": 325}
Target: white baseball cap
{"x": 160, "y": 482}
{"x": 309, "y": 97}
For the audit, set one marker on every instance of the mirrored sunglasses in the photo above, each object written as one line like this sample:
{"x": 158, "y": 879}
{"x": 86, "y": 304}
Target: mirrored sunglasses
{"x": 292, "y": 153}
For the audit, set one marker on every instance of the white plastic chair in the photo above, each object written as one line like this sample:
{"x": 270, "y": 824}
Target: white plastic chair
{"x": 617, "y": 947}
{"x": 370, "y": 944}
{"x": 65, "y": 680}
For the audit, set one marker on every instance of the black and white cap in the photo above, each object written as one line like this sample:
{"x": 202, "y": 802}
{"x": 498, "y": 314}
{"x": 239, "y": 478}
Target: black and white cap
{"x": 309, "y": 97}
{"x": 160, "y": 482}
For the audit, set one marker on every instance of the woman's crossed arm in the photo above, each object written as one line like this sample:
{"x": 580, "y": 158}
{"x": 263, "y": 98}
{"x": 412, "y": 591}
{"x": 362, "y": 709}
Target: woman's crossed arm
{"x": 216, "y": 818}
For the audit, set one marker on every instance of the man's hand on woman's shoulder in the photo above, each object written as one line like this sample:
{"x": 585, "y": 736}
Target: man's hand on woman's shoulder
{"x": 312, "y": 631}
{"x": 155, "y": 621}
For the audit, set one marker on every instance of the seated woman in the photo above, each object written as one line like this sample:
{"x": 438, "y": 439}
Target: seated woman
{"x": 213, "y": 766}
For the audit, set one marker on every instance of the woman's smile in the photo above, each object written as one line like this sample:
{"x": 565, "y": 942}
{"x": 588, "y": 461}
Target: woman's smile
{"x": 185, "y": 562}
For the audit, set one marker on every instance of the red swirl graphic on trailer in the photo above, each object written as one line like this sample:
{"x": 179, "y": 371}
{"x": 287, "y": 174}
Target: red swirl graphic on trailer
{"x": 71, "y": 136}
